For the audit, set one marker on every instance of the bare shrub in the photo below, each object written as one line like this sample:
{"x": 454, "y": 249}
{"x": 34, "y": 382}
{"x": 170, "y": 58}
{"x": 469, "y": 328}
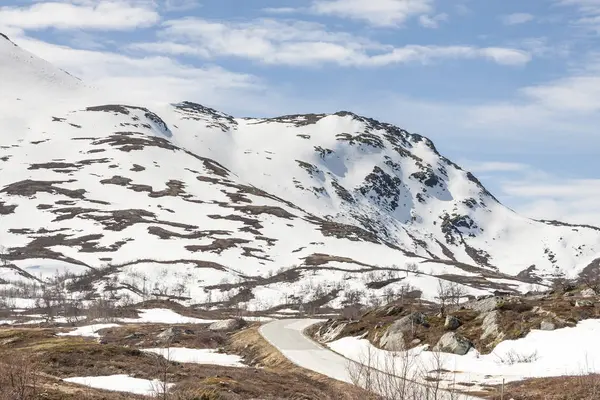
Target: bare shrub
{"x": 449, "y": 293}
{"x": 103, "y": 308}
{"x": 413, "y": 267}
{"x": 18, "y": 378}
{"x": 513, "y": 357}
{"x": 161, "y": 389}
{"x": 400, "y": 376}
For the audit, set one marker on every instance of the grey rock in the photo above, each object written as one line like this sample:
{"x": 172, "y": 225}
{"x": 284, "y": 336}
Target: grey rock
{"x": 490, "y": 324}
{"x": 484, "y": 305}
{"x": 547, "y": 326}
{"x": 453, "y": 343}
{"x": 227, "y": 325}
{"x": 168, "y": 334}
{"x": 584, "y": 303}
{"x": 393, "y": 341}
{"x": 452, "y": 323}
{"x": 587, "y": 293}
{"x": 393, "y": 338}
{"x": 136, "y": 335}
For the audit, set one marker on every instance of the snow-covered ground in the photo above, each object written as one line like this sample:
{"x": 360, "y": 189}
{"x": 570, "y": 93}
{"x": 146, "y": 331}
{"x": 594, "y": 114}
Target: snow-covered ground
{"x": 198, "y": 356}
{"x": 566, "y": 351}
{"x": 163, "y": 316}
{"x": 88, "y": 330}
{"x": 120, "y": 383}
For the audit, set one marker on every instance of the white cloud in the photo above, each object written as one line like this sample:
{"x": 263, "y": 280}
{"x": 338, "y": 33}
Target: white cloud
{"x": 493, "y": 166}
{"x": 569, "y": 200}
{"x": 280, "y": 10}
{"x": 574, "y": 94}
{"x": 81, "y": 14}
{"x": 427, "y": 21}
{"x": 589, "y": 11}
{"x": 516, "y": 18}
{"x": 181, "y": 5}
{"x": 375, "y": 12}
{"x": 149, "y": 80}
{"x": 301, "y": 43}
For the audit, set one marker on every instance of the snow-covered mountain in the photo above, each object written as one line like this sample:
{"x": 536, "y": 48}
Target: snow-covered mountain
{"x": 186, "y": 201}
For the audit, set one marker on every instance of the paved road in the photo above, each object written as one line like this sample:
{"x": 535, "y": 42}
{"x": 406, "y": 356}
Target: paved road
{"x": 287, "y": 336}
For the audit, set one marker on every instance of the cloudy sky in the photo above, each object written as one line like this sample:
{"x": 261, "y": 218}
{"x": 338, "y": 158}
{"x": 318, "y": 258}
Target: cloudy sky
{"x": 509, "y": 89}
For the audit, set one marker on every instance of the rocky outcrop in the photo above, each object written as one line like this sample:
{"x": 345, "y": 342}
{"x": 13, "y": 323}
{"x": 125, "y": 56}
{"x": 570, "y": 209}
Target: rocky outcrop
{"x": 330, "y": 331}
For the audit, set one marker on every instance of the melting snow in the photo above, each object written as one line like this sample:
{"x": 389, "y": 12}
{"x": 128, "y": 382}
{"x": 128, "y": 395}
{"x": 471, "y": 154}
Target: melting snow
{"x": 567, "y": 351}
{"x": 198, "y": 356}
{"x": 164, "y": 316}
{"x": 88, "y": 330}
{"x": 119, "y": 383}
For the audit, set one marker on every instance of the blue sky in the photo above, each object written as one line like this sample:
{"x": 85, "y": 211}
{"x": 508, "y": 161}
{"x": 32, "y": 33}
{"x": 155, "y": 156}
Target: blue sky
{"x": 509, "y": 89}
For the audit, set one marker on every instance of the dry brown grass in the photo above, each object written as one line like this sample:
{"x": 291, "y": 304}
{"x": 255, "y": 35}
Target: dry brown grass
{"x": 61, "y": 357}
{"x": 584, "y": 387}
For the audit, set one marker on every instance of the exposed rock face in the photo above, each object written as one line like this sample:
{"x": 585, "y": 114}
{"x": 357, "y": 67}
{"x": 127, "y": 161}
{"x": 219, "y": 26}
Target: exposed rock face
{"x": 393, "y": 338}
{"x": 452, "y": 323}
{"x": 330, "y": 331}
{"x": 547, "y": 326}
{"x": 228, "y": 325}
{"x": 454, "y": 343}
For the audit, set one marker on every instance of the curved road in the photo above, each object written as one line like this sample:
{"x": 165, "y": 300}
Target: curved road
{"x": 288, "y": 337}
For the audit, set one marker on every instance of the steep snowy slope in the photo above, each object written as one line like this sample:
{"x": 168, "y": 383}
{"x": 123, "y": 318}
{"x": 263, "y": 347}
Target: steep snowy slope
{"x": 185, "y": 201}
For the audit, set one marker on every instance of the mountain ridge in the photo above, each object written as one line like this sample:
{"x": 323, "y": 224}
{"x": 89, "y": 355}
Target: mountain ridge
{"x": 311, "y": 206}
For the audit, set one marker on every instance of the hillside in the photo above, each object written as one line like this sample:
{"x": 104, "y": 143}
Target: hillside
{"x": 185, "y": 201}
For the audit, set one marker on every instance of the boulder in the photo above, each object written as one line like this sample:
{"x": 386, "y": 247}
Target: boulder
{"x": 392, "y": 341}
{"x": 453, "y": 343}
{"x": 484, "y": 305}
{"x": 452, "y": 323}
{"x": 393, "y": 338}
{"x": 584, "y": 303}
{"x": 227, "y": 325}
{"x": 587, "y": 293}
{"x": 169, "y": 334}
{"x": 489, "y": 325}
{"x": 547, "y": 326}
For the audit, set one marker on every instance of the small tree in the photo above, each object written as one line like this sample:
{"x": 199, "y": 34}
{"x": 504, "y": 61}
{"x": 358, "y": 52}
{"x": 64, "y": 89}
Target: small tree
{"x": 4, "y": 256}
{"x": 442, "y": 296}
